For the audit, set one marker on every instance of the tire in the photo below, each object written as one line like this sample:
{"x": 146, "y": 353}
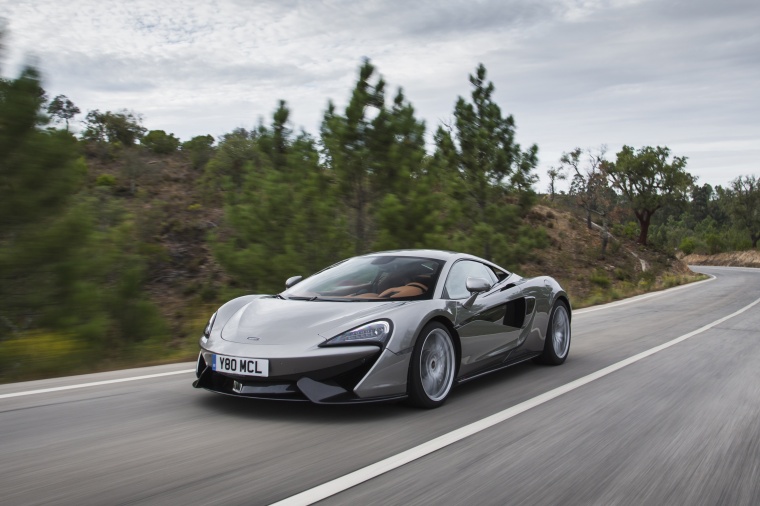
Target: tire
{"x": 558, "y": 334}
{"x": 433, "y": 367}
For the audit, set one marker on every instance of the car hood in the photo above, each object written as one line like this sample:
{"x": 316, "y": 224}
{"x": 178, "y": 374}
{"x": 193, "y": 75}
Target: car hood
{"x": 276, "y": 321}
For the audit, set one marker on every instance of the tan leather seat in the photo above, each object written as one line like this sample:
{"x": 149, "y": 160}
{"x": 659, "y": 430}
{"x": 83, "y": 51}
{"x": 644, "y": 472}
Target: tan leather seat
{"x": 412, "y": 289}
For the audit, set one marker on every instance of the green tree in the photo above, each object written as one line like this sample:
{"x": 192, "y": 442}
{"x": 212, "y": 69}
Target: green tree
{"x": 159, "y": 142}
{"x": 347, "y": 151}
{"x": 589, "y": 183}
{"x": 38, "y": 169}
{"x": 236, "y": 155}
{"x": 416, "y": 209}
{"x": 648, "y": 181}
{"x": 200, "y": 149}
{"x": 282, "y": 215}
{"x": 745, "y": 205}
{"x": 123, "y": 126}
{"x": 63, "y": 109}
{"x": 701, "y": 197}
{"x": 495, "y": 176}
{"x": 555, "y": 174}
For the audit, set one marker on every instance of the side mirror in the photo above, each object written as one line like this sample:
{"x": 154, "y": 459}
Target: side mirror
{"x": 292, "y": 281}
{"x": 475, "y": 286}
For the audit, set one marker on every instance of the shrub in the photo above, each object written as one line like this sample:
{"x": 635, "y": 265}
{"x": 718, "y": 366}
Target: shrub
{"x": 631, "y": 230}
{"x": 41, "y": 353}
{"x": 715, "y": 243}
{"x": 688, "y": 245}
{"x": 646, "y": 280}
{"x": 600, "y": 279}
{"x": 200, "y": 148}
{"x": 105, "y": 180}
{"x": 160, "y": 142}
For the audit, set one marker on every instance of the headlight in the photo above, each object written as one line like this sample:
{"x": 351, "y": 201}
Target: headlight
{"x": 371, "y": 333}
{"x": 209, "y": 326}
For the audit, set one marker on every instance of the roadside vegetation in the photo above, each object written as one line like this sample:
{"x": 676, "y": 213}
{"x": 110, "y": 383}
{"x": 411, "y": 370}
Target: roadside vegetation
{"x": 117, "y": 243}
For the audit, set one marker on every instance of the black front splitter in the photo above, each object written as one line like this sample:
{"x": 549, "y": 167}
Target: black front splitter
{"x": 305, "y": 389}
{"x": 354, "y": 400}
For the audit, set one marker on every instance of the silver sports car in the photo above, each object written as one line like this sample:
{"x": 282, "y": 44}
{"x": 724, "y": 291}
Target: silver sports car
{"x": 384, "y": 326}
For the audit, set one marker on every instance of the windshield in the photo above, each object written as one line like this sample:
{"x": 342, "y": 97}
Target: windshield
{"x": 371, "y": 279}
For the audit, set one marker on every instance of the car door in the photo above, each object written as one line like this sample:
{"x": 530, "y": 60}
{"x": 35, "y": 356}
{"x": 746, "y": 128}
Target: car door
{"x": 491, "y": 327}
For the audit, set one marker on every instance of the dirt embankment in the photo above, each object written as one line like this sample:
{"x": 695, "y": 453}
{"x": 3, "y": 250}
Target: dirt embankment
{"x": 750, "y": 258}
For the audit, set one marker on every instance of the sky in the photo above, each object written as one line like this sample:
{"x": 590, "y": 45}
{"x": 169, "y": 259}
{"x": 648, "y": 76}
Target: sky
{"x": 573, "y": 73}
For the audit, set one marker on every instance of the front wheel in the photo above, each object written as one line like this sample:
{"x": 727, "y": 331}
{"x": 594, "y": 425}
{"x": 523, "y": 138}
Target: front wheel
{"x": 433, "y": 366}
{"x": 557, "y": 340}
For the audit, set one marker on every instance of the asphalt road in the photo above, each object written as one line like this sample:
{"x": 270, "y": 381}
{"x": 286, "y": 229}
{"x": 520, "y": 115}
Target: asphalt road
{"x": 681, "y": 426}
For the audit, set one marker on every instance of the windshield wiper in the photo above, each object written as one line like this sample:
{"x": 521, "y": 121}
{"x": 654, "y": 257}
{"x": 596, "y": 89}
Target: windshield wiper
{"x": 293, "y": 297}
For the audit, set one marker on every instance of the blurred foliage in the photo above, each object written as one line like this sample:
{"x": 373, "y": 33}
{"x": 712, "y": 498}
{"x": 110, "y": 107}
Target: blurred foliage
{"x": 71, "y": 279}
{"x": 105, "y": 180}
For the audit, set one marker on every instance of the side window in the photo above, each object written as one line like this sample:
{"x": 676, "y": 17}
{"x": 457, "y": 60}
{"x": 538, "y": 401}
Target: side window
{"x": 456, "y": 283}
{"x": 500, "y": 275}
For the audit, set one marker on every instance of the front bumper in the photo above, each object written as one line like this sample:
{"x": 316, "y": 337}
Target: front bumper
{"x": 325, "y": 382}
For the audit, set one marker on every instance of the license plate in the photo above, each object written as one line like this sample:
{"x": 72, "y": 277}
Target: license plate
{"x": 239, "y": 365}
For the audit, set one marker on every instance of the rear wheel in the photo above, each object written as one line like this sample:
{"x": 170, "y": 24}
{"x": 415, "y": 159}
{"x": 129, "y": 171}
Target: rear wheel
{"x": 557, "y": 340}
{"x": 433, "y": 366}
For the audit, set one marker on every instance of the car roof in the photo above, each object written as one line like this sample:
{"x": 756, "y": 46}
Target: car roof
{"x": 425, "y": 253}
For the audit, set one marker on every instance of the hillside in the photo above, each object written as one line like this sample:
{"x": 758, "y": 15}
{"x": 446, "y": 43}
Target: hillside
{"x": 574, "y": 258}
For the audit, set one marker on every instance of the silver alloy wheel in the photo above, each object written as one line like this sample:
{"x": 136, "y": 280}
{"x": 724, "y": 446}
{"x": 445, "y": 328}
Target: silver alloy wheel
{"x": 437, "y": 365}
{"x": 561, "y": 331}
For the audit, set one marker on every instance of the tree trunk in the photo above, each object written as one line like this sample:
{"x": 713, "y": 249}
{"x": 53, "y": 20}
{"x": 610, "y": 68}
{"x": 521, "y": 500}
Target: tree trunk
{"x": 644, "y": 217}
{"x": 588, "y": 219}
{"x": 605, "y": 237}
{"x": 360, "y": 218}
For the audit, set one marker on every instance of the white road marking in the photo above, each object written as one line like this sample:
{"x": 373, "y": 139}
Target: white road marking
{"x": 338, "y": 485}
{"x": 93, "y": 384}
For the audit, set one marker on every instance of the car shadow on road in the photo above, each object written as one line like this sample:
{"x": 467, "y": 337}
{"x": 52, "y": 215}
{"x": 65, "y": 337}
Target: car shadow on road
{"x": 493, "y": 390}
{"x": 498, "y": 383}
{"x": 301, "y": 410}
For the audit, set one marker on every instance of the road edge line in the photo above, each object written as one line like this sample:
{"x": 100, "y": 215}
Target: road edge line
{"x": 93, "y": 384}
